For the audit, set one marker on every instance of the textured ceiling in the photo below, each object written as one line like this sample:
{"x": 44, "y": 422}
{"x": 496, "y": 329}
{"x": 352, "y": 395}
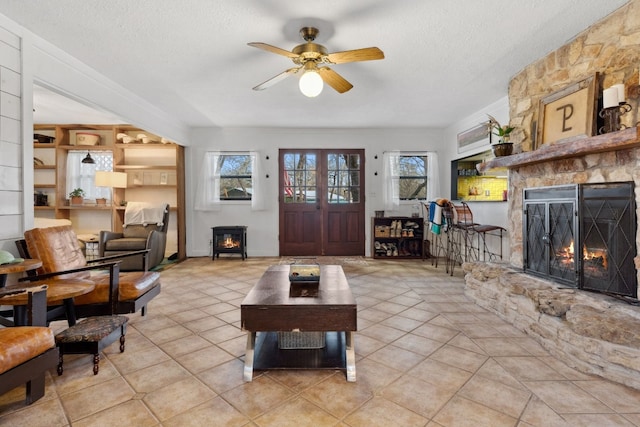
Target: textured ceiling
{"x": 444, "y": 59}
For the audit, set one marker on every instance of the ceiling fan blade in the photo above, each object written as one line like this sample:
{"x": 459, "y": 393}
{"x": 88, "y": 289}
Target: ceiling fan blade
{"x": 365, "y": 54}
{"x": 334, "y": 79}
{"x": 273, "y": 80}
{"x": 273, "y": 49}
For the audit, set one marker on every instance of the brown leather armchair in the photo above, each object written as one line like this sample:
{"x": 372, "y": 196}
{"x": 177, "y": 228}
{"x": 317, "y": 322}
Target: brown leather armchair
{"x": 27, "y": 352}
{"x": 137, "y": 237}
{"x": 62, "y": 260}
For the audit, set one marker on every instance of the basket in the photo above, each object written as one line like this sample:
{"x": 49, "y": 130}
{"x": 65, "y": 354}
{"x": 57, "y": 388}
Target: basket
{"x": 83, "y": 138}
{"x": 379, "y": 214}
{"x": 300, "y": 340}
{"x": 382, "y": 231}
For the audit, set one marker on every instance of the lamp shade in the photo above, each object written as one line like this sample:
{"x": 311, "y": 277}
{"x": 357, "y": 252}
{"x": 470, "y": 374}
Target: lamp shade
{"x": 310, "y": 84}
{"x": 111, "y": 179}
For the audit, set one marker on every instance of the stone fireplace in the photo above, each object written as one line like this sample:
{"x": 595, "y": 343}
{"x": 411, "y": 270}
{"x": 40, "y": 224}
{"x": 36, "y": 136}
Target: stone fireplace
{"x": 582, "y": 235}
{"x": 602, "y": 159}
{"x": 593, "y": 332}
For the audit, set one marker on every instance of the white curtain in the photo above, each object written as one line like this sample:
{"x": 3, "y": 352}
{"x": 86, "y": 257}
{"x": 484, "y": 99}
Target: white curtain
{"x": 433, "y": 176}
{"x": 208, "y": 188}
{"x": 82, "y": 175}
{"x": 257, "y": 196}
{"x": 391, "y": 177}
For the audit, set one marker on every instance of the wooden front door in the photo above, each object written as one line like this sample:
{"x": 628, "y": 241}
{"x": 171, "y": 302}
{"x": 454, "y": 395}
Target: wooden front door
{"x": 321, "y": 202}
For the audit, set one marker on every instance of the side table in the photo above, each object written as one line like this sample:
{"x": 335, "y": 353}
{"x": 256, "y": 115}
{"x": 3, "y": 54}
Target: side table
{"x": 91, "y": 246}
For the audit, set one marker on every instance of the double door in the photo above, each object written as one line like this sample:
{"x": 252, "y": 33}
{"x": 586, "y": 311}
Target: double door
{"x": 321, "y": 202}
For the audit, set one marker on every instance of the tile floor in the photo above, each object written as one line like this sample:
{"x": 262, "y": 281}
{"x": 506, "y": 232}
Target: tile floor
{"x": 426, "y": 356}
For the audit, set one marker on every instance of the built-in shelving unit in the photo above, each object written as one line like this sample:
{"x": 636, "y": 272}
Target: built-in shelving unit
{"x": 155, "y": 173}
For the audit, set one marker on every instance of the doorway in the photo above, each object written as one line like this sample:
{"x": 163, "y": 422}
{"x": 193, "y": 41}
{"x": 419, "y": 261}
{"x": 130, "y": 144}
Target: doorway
{"x": 321, "y": 202}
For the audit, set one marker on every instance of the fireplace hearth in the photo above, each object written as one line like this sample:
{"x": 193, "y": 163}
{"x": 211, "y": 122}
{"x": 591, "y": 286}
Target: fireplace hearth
{"x": 582, "y": 235}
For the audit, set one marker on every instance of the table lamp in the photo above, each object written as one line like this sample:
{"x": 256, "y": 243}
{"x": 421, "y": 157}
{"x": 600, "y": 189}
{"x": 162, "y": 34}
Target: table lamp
{"x": 111, "y": 180}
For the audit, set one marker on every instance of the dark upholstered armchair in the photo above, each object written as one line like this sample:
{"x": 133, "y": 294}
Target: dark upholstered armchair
{"x": 137, "y": 237}
{"x": 27, "y": 352}
{"x": 62, "y": 260}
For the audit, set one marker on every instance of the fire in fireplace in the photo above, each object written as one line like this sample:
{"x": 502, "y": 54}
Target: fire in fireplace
{"x": 582, "y": 235}
{"x": 229, "y": 240}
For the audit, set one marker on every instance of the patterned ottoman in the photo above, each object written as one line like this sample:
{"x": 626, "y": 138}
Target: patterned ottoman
{"x": 91, "y": 336}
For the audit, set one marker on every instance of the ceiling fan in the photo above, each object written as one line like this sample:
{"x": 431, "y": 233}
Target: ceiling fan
{"x": 311, "y": 58}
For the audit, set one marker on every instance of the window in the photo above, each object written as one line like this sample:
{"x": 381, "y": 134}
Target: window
{"x": 409, "y": 176}
{"x": 229, "y": 176}
{"x": 83, "y": 175}
{"x": 235, "y": 177}
{"x": 412, "y": 177}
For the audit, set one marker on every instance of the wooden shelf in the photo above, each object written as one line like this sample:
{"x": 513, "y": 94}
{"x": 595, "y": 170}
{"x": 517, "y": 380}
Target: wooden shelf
{"x": 40, "y": 145}
{"x": 621, "y": 140}
{"x": 44, "y": 185}
{"x": 50, "y": 167}
{"x": 87, "y": 207}
{"x": 151, "y": 145}
{"x": 86, "y": 147}
{"x": 151, "y": 187}
{"x": 145, "y": 167}
{"x": 44, "y": 208}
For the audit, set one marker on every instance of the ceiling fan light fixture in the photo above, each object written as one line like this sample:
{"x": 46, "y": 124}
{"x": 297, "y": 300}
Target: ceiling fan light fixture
{"x": 88, "y": 159}
{"x": 311, "y": 84}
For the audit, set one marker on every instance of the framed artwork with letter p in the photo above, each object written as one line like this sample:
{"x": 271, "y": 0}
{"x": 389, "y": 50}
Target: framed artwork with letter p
{"x": 568, "y": 114}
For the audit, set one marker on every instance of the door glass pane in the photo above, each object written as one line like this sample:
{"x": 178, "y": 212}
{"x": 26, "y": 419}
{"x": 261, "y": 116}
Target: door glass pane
{"x": 343, "y": 178}
{"x": 299, "y": 178}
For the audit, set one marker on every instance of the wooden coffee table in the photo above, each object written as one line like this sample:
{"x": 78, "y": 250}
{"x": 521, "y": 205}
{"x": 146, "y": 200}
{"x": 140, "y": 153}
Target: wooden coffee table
{"x": 271, "y": 307}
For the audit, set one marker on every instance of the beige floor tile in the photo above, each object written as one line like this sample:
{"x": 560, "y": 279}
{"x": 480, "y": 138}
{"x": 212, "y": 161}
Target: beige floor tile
{"x": 383, "y": 413}
{"x": 501, "y": 347}
{"x": 365, "y": 345}
{"x": 458, "y": 357}
{"x": 131, "y": 412}
{"x": 43, "y": 413}
{"x": 440, "y": 374}
{"x": 204, "y": 324}
{"x": 215, "y": 412}
{"x": 337, "y": 396}
{"x": 382, "y": 333}
{"x": 153, "y": 377}
{"x": 184, "y": 345}
{"x": 91, "y": 400}
{"x": 616, "y": 396}
{"x": 236, "y": 346}
{"x": 177, "y": 398}
{"x": 463, "y": 341}
{"x": 538, "y": 413}
{"x": 160, "y": 336}
{"x": 597, "y": 420}
{"x": 204, "y": 358}
{"x": 131, "y": 361}
{"x": 529, "y": 368}
{"x": 434, "y": 332}
{"x": 297, "y": 412}
{"x": 418, "y": 344}
{"x": 396, "y": 357}
{"x": 565, "y": 397}
{"x": 492, "y": 370}
{"x": 417, "y": 395}
{"x": 496, "y": 395}
{"x": 460, "y": 412}
{"x": 223, "y": 377}
{"x": 257, "y": 397}
{"x": 222, "y": 333}
{"x": 400, "y": 322}
{"x": 299, "y": 380}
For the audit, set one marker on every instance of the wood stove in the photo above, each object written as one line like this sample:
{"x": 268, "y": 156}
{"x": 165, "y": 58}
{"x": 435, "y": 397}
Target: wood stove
{"x": 229, "y": 240}
{"x": 582, "y": 235}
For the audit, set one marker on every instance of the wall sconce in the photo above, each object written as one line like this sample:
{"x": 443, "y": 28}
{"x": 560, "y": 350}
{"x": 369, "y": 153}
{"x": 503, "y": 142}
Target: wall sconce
{"x": 88, "y": 160}
{"x": 310, "y": 83}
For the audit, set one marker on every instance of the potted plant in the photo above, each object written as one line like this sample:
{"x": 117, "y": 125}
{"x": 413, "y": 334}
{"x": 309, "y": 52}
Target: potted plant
{"x": 503, "y": 147}
{"x": 76, "y": 196}
{"x": 101, "y": 201}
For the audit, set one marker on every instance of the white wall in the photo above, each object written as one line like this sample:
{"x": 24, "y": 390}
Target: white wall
{"x": 262, "y": 232}
{"x": 494, "y": 213}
